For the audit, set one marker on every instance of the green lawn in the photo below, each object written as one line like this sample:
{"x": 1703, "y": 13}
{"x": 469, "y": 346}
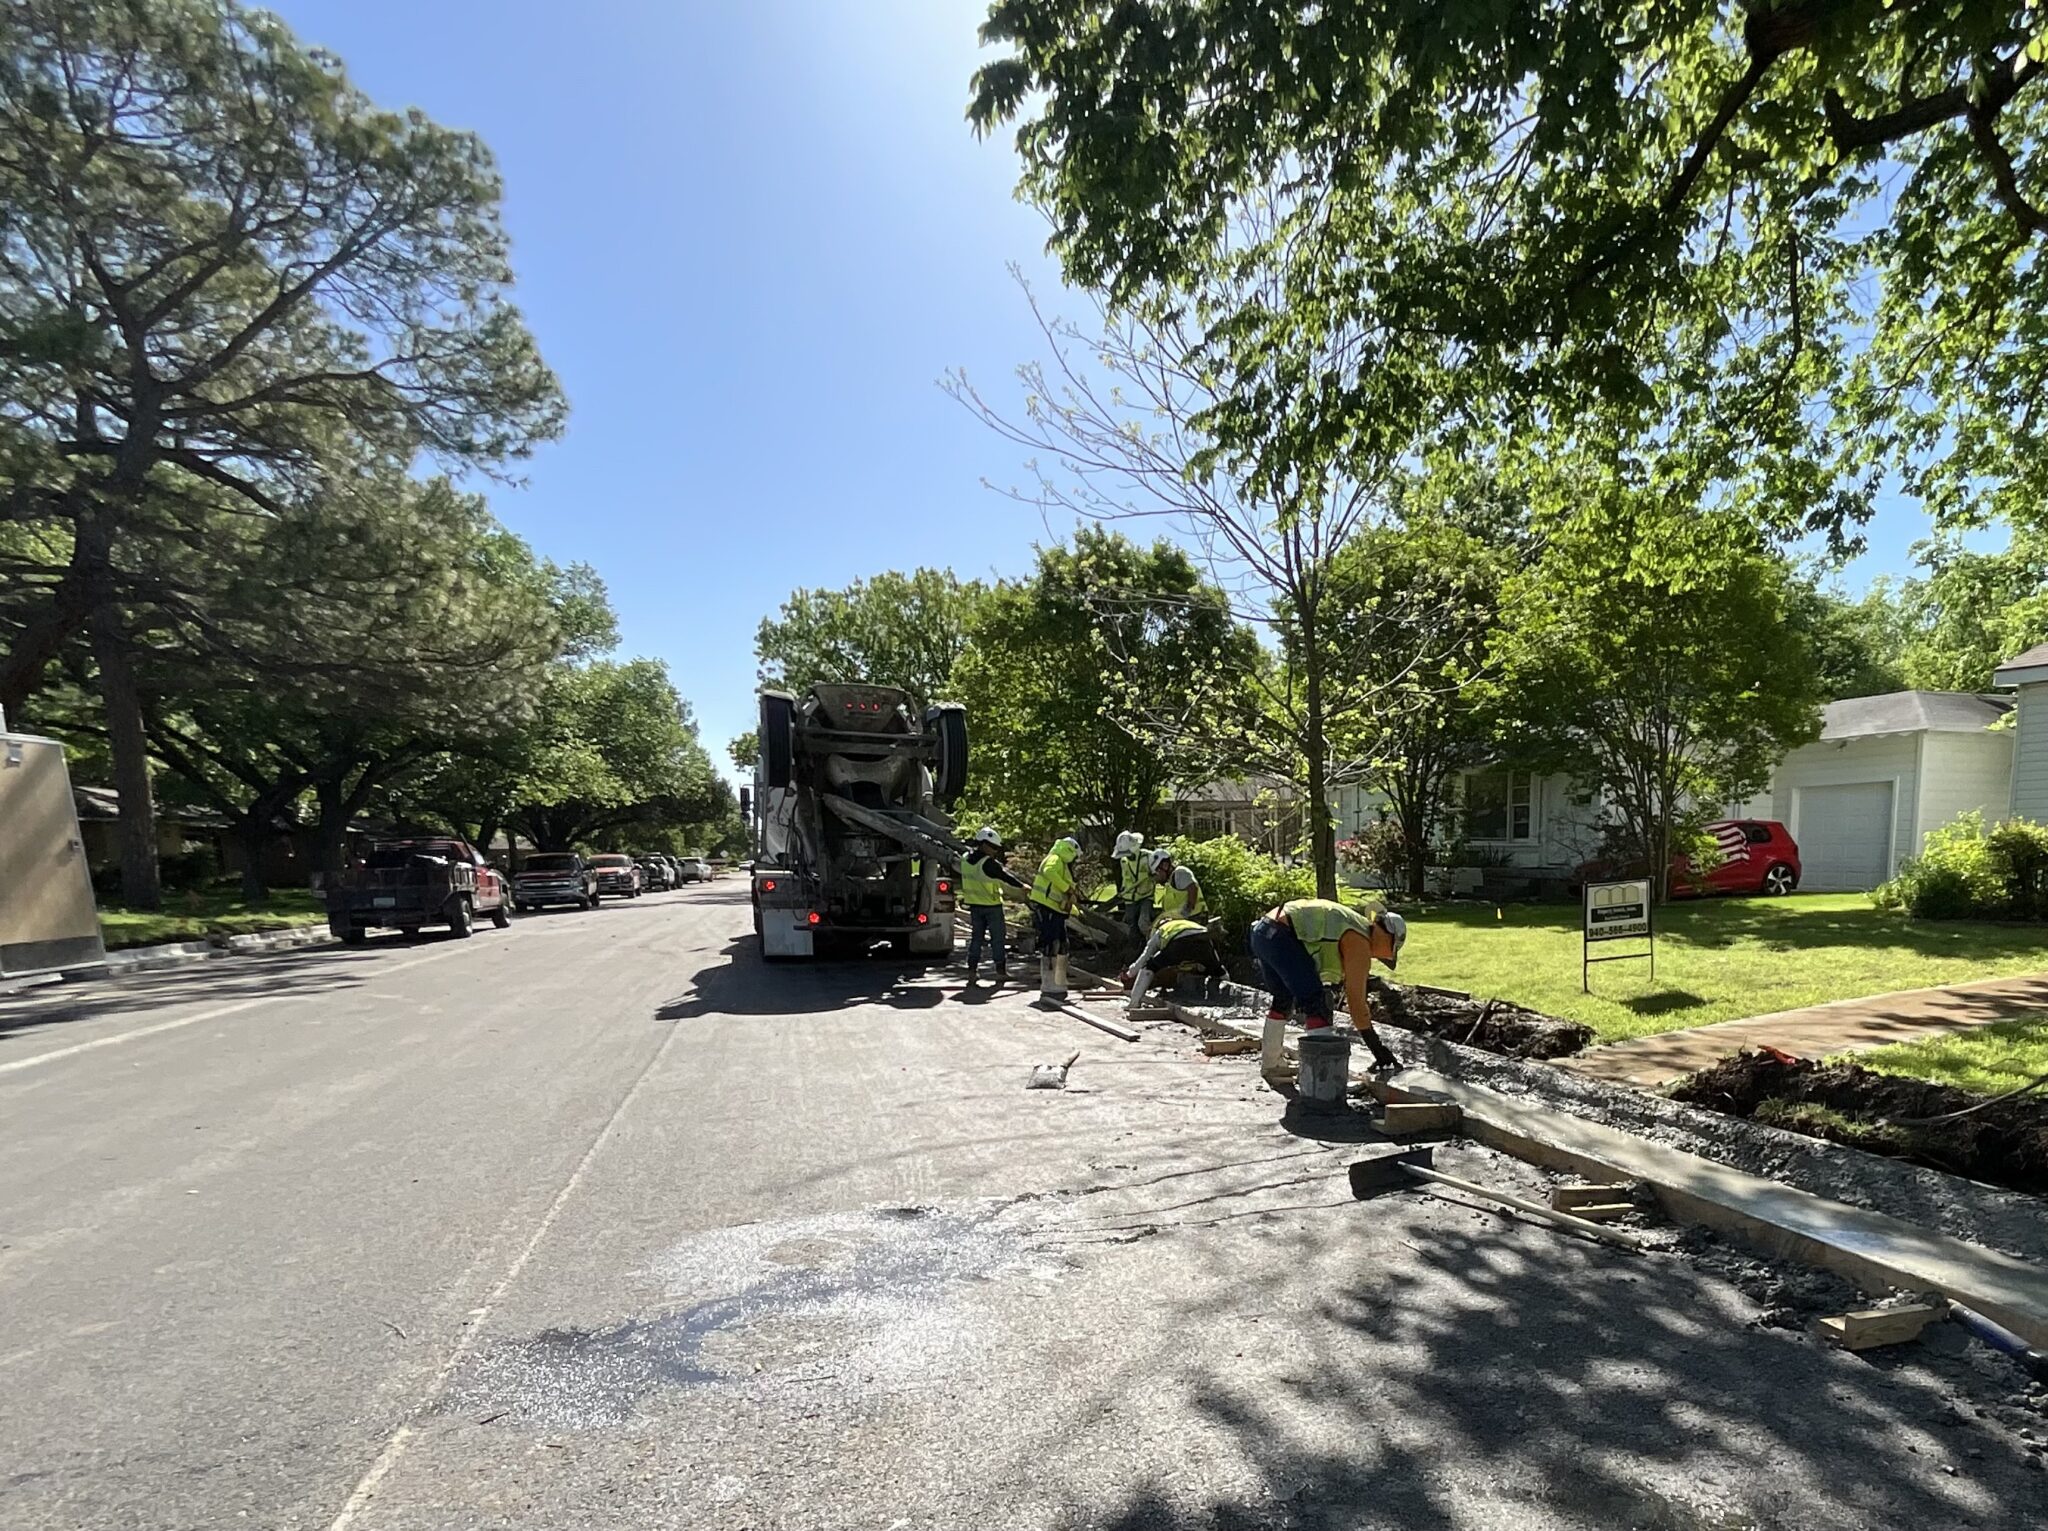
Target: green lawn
{"x": 1717, "y": 959}
{"x": 192, "y": 916}
{"x": 1987, "y": 1059}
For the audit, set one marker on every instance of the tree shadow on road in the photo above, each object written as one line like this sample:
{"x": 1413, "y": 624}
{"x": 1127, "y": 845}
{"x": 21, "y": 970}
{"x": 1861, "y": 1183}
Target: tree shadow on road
{"x": 742, "y": 983}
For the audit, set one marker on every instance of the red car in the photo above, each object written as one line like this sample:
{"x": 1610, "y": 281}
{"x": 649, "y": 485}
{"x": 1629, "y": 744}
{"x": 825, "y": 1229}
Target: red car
{"x": 1757, "y": 856}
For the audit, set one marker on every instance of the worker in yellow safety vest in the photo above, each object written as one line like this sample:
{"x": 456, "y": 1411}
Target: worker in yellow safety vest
{"x": 982, "y": 880}
{"x": 1134, "y": 886}
{"x": 1177, "y": 894}
{"x": 1307, "y": 944}
{"x": 1175, "y": 947}
{"x": 1052, "y": 897}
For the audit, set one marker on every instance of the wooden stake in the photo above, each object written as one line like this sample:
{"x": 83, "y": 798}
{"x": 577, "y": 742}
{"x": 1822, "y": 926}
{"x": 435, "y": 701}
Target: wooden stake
{"x": 1869, "y": 1328}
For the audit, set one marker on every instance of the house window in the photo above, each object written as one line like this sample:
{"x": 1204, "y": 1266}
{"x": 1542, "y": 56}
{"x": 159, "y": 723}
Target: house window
{"x": 1206, "y": 825}
{"x": 1497, "y": 805}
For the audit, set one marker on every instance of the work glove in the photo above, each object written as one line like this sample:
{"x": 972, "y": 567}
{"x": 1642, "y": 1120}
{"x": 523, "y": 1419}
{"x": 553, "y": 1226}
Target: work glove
{"x": 1382, "y": 1056}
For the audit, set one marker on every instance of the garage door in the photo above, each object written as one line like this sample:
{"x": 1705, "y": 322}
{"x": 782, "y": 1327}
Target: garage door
{"x": 1845, "y": 836}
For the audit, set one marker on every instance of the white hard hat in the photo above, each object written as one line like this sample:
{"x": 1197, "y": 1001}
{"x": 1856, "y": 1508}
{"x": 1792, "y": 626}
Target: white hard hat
{"x": 1183, "y": 878}
{"x": 1159, "y": 859}
{"x": 1396, "y": 927}
{"x": 1069, "y": 845}
{"x": 1127, "y": 842}
{"x": 987, "y": 836}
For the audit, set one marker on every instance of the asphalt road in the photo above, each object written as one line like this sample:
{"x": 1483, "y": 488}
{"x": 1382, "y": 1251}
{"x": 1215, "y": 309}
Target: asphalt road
{"x": 601, "y": 1222}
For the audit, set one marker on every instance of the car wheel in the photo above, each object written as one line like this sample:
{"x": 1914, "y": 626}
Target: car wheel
{"x": 461, "y": 921}
{"x": 589, "y": 901}
{"x": 501, "y": 917}
{"x": 1779, "y": 880}
{"x": 355, "y": 935}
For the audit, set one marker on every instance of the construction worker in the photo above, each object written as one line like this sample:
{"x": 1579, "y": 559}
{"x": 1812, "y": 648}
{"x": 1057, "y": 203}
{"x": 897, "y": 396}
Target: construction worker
{"x": 1178, "y": 895}
{"x": 1052, "y": 899}
{"x": 1174, "y": 947}
{"x": 1134, "y": 887}
{"x": 1307, "y": 944}
{"x": 982, "y": 878}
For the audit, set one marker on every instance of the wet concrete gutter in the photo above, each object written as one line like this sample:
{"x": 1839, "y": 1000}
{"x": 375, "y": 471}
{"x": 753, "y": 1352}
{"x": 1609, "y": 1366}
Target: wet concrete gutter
{"x": 1876, "y": 1251}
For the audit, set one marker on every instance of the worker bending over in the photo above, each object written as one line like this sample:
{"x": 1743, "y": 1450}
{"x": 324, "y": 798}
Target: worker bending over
{"x": 982, "y": 878}
{"x": 1052, "y": 900}
{"x": 1307, "y": 944}
{"x": 1134, "y": 887}
{"x": 1179, "y": 894}
{"x": 1175, "y": 947}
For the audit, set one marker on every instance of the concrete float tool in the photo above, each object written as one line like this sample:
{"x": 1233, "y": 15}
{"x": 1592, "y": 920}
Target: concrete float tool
{"x": 1414, "y": 1169}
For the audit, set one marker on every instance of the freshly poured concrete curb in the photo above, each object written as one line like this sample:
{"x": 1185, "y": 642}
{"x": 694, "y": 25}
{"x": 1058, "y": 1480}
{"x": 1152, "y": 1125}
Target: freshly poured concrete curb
{"x": 1873, "y": 1250}
{"x": 173, "y": 954}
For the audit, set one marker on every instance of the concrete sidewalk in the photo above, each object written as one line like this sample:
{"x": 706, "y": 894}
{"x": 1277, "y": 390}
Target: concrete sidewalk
{"x": 1845, "y": 1025}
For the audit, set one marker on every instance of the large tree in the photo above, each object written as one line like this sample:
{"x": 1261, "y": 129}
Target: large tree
{"x": 228, "y": 279}
{"x": 1647, "y": 653}
{"x": 1551, "y": 190}
{"x": 1973, "y": 609}
{"x": 904, "y": 630}
{"x": 1070, "y": 674}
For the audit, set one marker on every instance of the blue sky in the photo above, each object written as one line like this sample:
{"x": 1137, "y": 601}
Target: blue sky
{"x": 750, "y": 236}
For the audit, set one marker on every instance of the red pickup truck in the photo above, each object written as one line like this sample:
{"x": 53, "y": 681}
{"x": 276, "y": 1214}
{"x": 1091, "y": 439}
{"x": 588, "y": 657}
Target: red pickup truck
{"x": 405, "y": 884}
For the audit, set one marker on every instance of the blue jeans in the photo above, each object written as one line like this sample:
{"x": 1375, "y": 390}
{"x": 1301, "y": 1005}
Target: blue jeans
{"x": 986, "y": 923}
{"x": 1052, "y": 930}
{"x": 1289, "y": 971}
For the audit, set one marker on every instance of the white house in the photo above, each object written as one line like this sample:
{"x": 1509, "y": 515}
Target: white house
{"x": 1859, "y": 799}
{"x": 1885, "y": 770}
{"x": 2027, "y": 674}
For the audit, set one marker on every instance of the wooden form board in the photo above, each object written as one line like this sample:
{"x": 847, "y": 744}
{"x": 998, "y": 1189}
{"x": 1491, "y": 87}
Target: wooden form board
{"x": 1868, "y": 1328}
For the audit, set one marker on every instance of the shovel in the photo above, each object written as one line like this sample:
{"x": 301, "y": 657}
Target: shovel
{"x": 1050, "y": 1076}
{"x": 1404, "y": 1168}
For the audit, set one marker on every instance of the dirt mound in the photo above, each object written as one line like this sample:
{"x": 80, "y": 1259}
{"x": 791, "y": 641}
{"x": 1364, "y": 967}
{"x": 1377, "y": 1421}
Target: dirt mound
{"x": 1492, "y": 1024}
{"x": 2005, "y": 1144}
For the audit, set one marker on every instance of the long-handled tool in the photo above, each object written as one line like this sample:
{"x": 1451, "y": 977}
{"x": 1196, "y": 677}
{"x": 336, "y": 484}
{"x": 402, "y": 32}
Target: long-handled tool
{"x": 1413, "y": 1168}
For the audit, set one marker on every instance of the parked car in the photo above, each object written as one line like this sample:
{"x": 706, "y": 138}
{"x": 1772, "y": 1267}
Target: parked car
{"x": 1757, "y": 856}
{"x": 656, "y": 876}
{"x": 705, "y": 870}
{"x": 690, "y": 869}
{"x": 617, "y": 876}
{"x": 555, "y": 877}
{"x": 405, "y": 884}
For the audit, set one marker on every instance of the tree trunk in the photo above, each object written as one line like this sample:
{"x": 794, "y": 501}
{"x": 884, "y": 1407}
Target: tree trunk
{"x": 129, "y": 746}
{"x": 254, "y": 832}
{"x": 1322, "y": 834}
{"x": 332, "y": 833}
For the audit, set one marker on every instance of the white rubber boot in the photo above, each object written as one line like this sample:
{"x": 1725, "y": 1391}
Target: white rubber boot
{"x": 1054, "y": 988}
{"x": 1141, "y": 981}
{"x": 1273, "y": 1062}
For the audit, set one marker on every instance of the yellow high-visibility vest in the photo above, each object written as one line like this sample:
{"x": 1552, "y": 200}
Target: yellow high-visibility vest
{"x": 976, "y": 886}
{"x": 1054, "y": 885}
{"x": 1319, "y": 924}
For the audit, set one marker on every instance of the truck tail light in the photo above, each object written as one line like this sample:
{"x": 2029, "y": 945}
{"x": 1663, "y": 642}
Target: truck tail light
{"x": 813, "y": 916}
{"x": 924, "y": 919}
{"x": 944, "y": 886}
{"x": 768, "y": 886}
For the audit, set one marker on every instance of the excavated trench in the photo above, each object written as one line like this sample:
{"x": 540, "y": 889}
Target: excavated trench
{"x": 2003, "y": 1144}
{"x": 1492, "y": 1025}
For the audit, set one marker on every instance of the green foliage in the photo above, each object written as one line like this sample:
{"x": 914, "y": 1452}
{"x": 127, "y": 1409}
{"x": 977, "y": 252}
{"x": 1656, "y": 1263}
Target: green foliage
{"x": 1647, "y": 651}
{"x": 1973, "y": 610}
{"x": 1239, "y": 884}
{"x": 1826, "y": 203}
{"x": 1965, "y": 871}
{"x": 1953, "y": 878}
{"x": 903, "y": 630}
{"x": 1069, "y": 675}
{"x": 1856, "y": 645}
{"x": 1379, "y": 850}
{"x": 745, "y": 751}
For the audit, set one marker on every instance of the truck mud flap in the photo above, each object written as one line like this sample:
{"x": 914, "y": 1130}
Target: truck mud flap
{"x": 785, "y": 933}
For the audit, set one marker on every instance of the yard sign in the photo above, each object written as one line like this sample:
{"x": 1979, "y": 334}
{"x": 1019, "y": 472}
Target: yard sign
{"x": 1616, "y": 911}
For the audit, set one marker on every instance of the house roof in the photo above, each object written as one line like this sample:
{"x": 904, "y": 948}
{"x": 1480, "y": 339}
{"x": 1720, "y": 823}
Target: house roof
{"x": 2023, "y": 669}
{"x": 1911, "y": 712}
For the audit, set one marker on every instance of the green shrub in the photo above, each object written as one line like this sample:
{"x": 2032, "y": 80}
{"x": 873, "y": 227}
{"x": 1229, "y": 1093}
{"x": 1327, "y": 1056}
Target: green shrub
{"x": 1379, "y": 850}
{"x": 2019, "y": 855}
{"x": 1239, "y": 884}
{"x": 1964, "y": 872}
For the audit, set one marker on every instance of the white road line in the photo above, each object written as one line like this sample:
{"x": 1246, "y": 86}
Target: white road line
{"x": 144, "y": 1031}
{"x": 394, "y": 1448}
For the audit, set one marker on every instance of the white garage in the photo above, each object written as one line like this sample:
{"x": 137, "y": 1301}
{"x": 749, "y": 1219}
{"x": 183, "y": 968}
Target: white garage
{"x": 1885, "y": 770}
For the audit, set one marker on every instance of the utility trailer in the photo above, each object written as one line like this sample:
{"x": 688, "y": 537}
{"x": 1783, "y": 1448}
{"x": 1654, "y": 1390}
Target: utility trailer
{"x": 49, "y": 921}
{"x": 854, "y": 841}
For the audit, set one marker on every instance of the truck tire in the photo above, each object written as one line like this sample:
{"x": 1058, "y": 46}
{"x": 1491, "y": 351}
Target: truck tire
{"x": 460, "y": 922}
{"x": 501, "y": 917}
{"x": 354, "y": 935}
{"x": 949, "y": 722}
{"x": 778, "y": 739}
